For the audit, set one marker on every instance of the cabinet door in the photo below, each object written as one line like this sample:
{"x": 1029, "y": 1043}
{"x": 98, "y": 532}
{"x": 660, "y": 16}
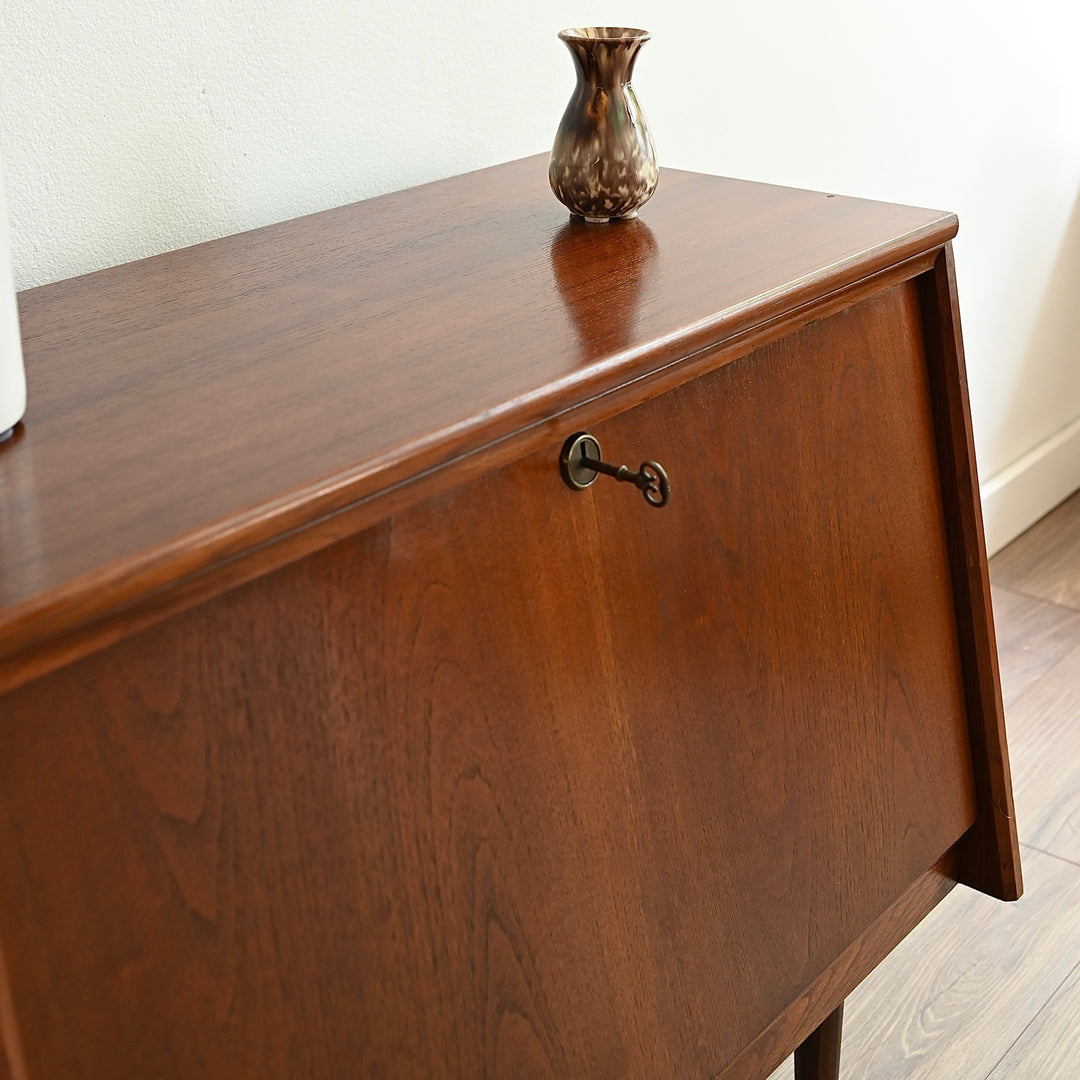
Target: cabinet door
{"x": 524, "y": 782}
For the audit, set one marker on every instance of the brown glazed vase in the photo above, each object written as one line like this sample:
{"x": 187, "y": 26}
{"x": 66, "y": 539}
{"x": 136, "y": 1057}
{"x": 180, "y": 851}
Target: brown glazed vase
{"x": 603, "y": 164}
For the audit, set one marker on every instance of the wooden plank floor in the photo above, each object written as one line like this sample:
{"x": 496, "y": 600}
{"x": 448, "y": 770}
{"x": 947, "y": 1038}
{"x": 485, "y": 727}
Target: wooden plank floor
{"x": 983, "y": 990}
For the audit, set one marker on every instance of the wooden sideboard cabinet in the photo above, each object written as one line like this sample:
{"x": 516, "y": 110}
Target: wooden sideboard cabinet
{"x": 341, "y": 737}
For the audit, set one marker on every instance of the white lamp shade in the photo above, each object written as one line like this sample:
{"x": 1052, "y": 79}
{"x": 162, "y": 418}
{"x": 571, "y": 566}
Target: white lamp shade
{"x": 12, "y": 374}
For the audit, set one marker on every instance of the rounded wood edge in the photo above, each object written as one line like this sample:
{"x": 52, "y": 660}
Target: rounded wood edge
{"x": 92, "y": 612}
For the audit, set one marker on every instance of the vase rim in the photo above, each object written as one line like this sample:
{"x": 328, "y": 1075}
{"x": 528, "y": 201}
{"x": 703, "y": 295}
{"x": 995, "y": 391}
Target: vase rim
{"x": 604, "y": 33}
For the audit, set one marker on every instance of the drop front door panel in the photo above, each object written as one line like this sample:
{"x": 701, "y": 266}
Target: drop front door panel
{"x": 521, "y": 782}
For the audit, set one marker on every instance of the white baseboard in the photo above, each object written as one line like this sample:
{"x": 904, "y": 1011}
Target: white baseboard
{"x": 1018, "y": 496}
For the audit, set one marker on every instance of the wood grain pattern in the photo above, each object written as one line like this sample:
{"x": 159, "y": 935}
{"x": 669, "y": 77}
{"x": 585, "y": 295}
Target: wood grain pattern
{"x": 958, "y": 992}
{"x": 1032, "y": 636}
{"x": 278, "y": 376}
{"x": 991, "y": 856}
{"x": 448, "y": 800}
{"x": 1043, "y": 561}
{"x": 1050, "y": 1046}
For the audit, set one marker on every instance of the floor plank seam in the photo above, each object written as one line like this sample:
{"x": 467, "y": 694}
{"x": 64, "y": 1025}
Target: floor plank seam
{"x": 1034, "y": 596}
{"x": 1038, "y": 1012}
{"x": 1050, "y": 854}
{"x": 1010, "y": 588}
{"x": 1070, "y": 658}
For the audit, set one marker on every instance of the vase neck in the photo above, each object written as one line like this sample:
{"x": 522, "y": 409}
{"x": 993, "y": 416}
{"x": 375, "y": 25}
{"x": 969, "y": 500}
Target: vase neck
{"x": 604, "y": 63}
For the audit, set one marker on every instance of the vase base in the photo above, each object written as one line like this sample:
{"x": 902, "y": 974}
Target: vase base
{"x": 606, "y": 220}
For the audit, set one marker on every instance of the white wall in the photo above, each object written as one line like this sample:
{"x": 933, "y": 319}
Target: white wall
{"x": 128, "y": 128}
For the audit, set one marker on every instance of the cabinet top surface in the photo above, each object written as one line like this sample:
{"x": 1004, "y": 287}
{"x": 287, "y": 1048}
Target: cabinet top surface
{"x": 235, "y": 386}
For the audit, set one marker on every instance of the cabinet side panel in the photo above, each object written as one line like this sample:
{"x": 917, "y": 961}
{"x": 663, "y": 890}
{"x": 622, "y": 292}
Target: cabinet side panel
{"x": 991, "y": 853}
{"x": 523, "y": 781}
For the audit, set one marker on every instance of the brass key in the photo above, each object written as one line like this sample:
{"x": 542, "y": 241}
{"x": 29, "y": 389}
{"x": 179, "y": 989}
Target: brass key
{"x": 582, "y": 461}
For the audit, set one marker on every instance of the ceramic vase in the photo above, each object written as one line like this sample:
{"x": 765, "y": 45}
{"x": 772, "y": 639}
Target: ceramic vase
{"x": 603, "y": 163}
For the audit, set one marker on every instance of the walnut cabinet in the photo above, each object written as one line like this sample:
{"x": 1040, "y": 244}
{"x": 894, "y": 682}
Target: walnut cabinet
{"x": 340, "y": 737}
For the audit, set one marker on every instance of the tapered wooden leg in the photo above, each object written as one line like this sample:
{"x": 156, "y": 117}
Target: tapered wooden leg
{"x": 819, "y": 1057}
